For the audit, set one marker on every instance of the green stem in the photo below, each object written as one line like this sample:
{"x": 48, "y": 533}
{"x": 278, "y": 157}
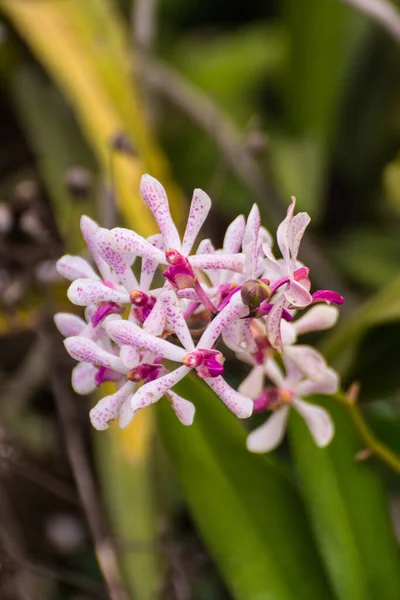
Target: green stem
{"x": 377, "y": 448}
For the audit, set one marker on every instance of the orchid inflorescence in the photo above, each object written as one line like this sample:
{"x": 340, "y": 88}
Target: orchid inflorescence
{"x": 240, "y": 294}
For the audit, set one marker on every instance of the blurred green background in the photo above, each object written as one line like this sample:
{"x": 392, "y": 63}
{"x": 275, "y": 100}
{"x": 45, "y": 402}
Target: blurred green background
{"x": 253, "y": 102}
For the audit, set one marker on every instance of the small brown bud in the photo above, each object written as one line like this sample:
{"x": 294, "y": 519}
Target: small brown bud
{"x": 121, "y": 142}
{"x": 78, "y": 180}
{"x": 254, "y": 292}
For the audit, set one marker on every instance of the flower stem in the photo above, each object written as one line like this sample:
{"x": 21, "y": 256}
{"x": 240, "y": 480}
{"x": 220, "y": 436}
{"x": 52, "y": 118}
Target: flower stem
{"x": 204, "y": 298}
{"x": 377, "y": 448}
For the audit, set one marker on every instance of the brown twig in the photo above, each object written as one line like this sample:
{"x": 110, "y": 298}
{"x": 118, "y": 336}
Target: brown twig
{"x": 199, "y": 107}
{"x": 77, "y": 455}
{"x": 382, "y": 12}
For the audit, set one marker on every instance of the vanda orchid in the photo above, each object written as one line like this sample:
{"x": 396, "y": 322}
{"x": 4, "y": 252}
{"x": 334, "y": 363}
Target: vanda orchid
{"x": 242, "y": 295}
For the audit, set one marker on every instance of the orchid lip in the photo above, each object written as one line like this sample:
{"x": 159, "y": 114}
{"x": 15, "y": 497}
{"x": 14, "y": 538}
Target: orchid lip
{"x": 327, "y": 296}
{"x": 105, "y": 309}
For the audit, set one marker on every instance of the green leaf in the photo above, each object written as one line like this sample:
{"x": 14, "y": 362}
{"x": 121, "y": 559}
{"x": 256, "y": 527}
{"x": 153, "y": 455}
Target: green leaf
{"x": 348, "y": 510}
{"x": 247, "y": 510}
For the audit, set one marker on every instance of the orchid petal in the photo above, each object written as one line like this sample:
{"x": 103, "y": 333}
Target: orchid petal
{"x": 308, "y": 360}
{"x": 233, "y": 311}
{"x": 69, "y": 324}
{"x": 130, "y": 357}
{"x": 328, "y": 384}
{"x": 128, "y": 242}
{"x": 253, "y": 385}
{"x": 87, "y": 291}
{"x": 282, "y": 234}
{"x": 83, "y": 378}
{"x": 156, "y": 322}
{"x": 240, "y": 405}
{"x": 231, "y": 262}
{"x": 75, "y": 267}
{"x": 250, "y": 240}
{"x": 317, "y": 318}
{"x": 288, "y": 333}
{"x": 297, "y": 228}
{"x": 176, "y": 321}
{"x": 120, "y": 263}
{"x": 156, "y": 199}
{"x": 234, "y": 235}
{"x": 89, "y": 229}
{"x": 149, "y": 266}
{"x": 297, "y": 295}
{"x": 107, "y": 409}
{"x": 184, "y": 409}
{"x": 318, "y": 421}
{"x": 124, "y": 332}
{"x": 273, "y": 323}
{"x": 126, "y": 412}
{"x": 269, "y": 435}
{"x": 86, "y": 350}
{"x": 274, "y": 372}
{"x": 199, "y": 209}
{"x": 151, "y": 392}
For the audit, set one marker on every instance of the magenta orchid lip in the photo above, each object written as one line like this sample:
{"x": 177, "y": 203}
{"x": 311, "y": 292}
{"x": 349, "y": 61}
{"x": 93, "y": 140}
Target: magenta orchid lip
{"x": 138, "y": 334}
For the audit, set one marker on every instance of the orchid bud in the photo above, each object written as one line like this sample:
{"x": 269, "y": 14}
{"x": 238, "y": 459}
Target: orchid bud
{"x": 254, "y": 292}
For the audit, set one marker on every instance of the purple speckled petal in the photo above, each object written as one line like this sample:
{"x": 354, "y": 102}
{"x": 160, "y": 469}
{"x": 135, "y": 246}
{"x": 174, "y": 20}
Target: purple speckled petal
{"x": 184, "y": 409}
{"x": 124, "y": 332}
{"x": 86, "y": 350}
{"x": 274, "y": 323}
{"x": 128, "y": 242}
{"x": 107, "y": 409}
{"x": 89, "y": 229}
{"x": 269, "y": 435}
{"x": 250, "y": 240}
{"x": 75, "y": 267}
{"x": 283, "y": 233}
{"x": 130, "y": 356}
{"x": 87, "y": 291}
{"x": 151, "y": 392}
{"x": 199, "y": 209}
{"x": 83, "y": 378}
{"x": 156, "y": 199}
{"x": 233, "y": 311}
{"x": 69, "y": 324}
{"x": 234, "y": 235}
{"x": 149, "y": 266}
{"x": 120, "y": 263}
{"x": 297, "y": 228}
{"x": 232, "y": 262}
{"x": 155, "y": 323}
{"x": 175, "y": 320}
{"x": 240, "y": 405}
{"x": 126, "y": 412}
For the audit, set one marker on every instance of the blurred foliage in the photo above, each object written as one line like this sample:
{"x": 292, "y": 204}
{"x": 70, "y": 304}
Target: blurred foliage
{"x": 319, "y": 85}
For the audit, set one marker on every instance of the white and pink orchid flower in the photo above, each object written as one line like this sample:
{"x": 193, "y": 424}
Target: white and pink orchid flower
{"x": 306, "y": 374}
{"x": 207, "y": 361}
{"x": 127, "y": 369}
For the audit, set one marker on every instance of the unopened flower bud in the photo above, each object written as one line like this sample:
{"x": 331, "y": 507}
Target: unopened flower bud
{"x": 138, "y": 298}
{"x": 254, "y": 292}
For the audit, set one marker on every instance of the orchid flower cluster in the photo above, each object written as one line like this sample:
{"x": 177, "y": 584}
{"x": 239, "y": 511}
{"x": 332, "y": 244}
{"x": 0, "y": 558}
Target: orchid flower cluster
{"x": 147, "y": 333}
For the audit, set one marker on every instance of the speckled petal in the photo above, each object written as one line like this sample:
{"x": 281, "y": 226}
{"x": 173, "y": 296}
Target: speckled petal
{"x": 128, "y": 242}
{"x": 183, "y": 409}
{"x": 199, "y": 209}
{"x": 232, "y": 262}
{"x": 151, "y": 392}
{"x": 308, "y": 360}
{"x": 175, "y": 319}
{"x": 87, "y": 291}
{"x": 317, "y": 318}
{"x": 240, "y": 405}
{"x": 89, "y": 229}
{"x": 75, "y": 267}
{"x": 234, "y": 235}
{"x": 124, "y": 332}
{"x": 69, "y": 324}
{"x": 232, "y": 311}
{"x": 120, "y": 263}
{"x": 107, "y": 409}
{"x": 86, "y": 350}
{"x": 83, "y": 378}
{"x": 156, "y": 199}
